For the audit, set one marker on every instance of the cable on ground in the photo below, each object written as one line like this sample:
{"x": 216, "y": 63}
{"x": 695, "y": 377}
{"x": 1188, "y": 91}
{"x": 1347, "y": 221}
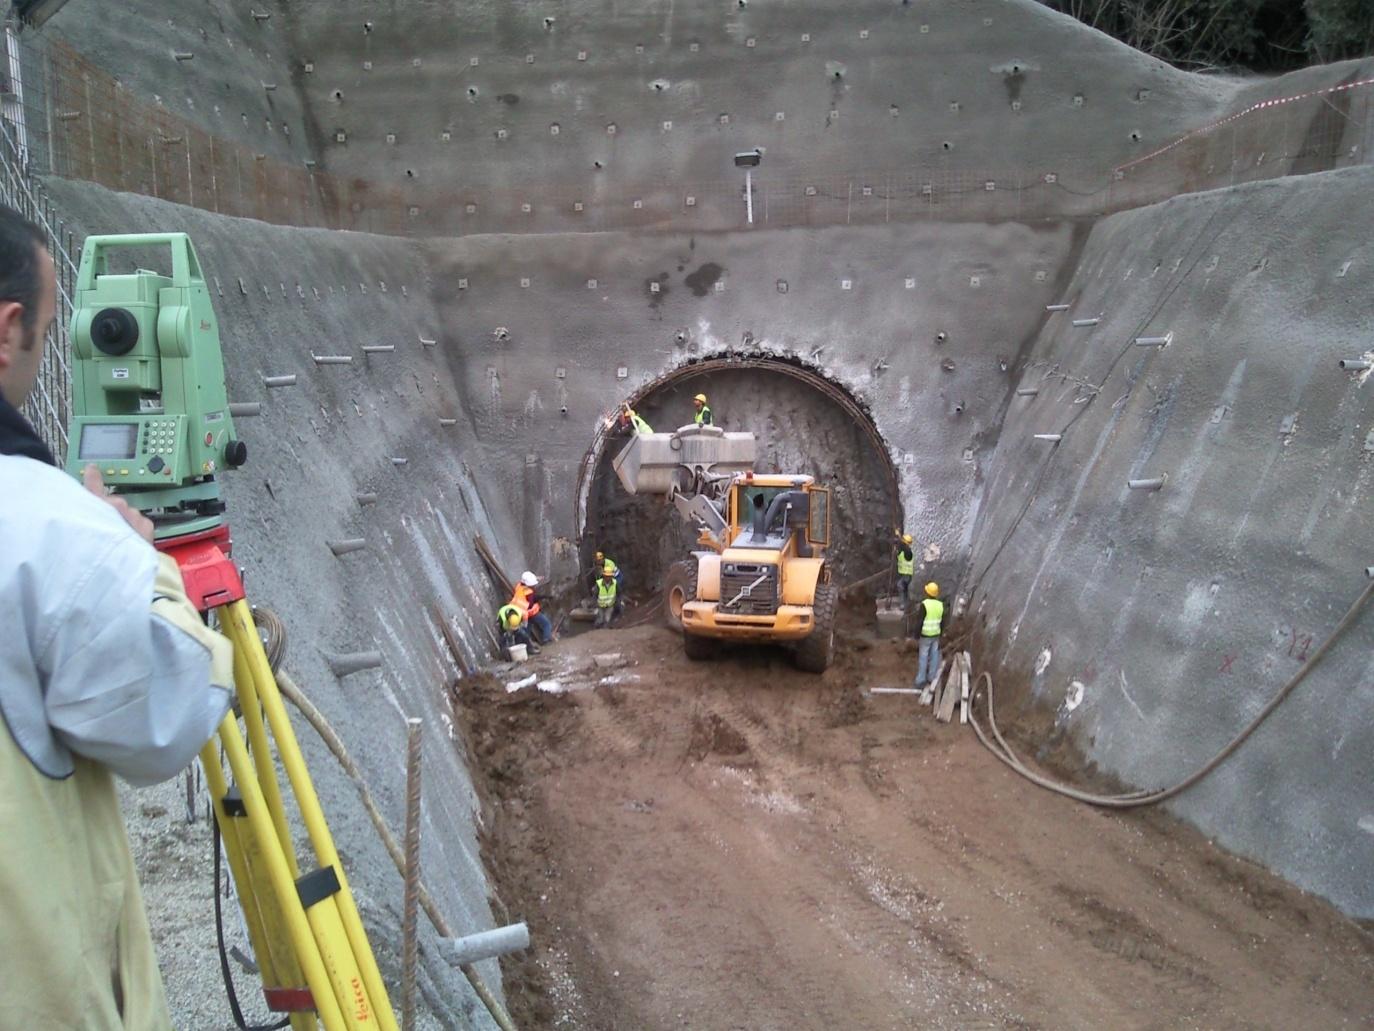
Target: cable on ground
{"x": 1135, "y": 799}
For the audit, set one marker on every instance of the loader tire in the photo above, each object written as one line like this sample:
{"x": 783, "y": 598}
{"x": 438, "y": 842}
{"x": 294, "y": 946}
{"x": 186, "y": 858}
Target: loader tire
{"x": 679, "y": 587}
{"x": 700, "y": 649}
{"x": 817, "y": 649}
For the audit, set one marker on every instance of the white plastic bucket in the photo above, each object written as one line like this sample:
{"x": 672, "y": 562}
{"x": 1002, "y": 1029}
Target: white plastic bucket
{"x": 518, "y": 653}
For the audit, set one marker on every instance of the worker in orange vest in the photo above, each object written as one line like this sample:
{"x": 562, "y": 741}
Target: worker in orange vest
{"x": 527, "y": 602}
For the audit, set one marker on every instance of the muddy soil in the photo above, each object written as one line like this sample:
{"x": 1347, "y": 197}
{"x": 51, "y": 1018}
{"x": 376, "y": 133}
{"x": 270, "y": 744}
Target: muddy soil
{"x": 738, "y": 845}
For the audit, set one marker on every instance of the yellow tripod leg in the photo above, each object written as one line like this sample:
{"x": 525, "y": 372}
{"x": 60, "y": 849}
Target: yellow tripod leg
{"x": 370, "y": 994}
{"x": 271, "y": 943}
{"x": 283, "y": 885}
{"x": 261, "y": 751}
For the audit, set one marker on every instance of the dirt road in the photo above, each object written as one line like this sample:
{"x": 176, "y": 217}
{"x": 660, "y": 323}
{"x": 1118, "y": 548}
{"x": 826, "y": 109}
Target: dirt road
{"x": 738, "y": 845}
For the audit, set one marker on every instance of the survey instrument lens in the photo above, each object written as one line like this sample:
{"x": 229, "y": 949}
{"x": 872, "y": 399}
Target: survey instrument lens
{"x": 114, "y": 332}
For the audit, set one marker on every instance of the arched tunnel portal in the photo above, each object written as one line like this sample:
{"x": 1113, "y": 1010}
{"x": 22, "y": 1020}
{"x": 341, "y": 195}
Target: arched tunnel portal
{"x": 803, "y": 421}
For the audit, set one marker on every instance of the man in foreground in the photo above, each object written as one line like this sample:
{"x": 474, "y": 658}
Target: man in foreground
{"x": 105, "y": 667}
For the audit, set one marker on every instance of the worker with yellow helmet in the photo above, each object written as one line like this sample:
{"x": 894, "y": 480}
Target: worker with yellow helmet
{"x": 514, "y": 628}
{"x": 631, "y": 420}
{"x": 608, "y": 604}
{"x": 703, "y": 415}
{"x": 931, "y": 613}
{"x": 599, "y": 561}
{"x": 906, "y": 567}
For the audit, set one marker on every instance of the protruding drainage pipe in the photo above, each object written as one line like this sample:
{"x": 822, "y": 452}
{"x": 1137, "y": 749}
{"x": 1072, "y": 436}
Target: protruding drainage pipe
{"x": 240, "y": 409}
{"x": 378, "y": 348}
{"x": 1164, "y": 341}
{"x": 1053, "y": 438}
{"x": 279, "y": 381}
{"x": 332, "y": 359}
{"x": 343, "y": 547}
{"x": 365, "y": 499}
{"x": 1086, "y": 322}
{"x": 1056, "y": 307}
{"x": 353, "y": 662}
{"x": 1154, "y": 483}
{"x": 473, "y": 948}
{"x": 1354, "y": 364}
{"x": 399, "y": 461}
{"x": 452, "y": 422}
{"x": 1027, "y": 391}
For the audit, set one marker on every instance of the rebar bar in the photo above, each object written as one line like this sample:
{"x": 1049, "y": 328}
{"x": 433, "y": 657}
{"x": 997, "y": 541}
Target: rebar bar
{"x": 411, "y": 903}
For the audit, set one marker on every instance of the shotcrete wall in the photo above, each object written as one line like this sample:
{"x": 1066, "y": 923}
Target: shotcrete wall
{"x": 282, "y": 295}
{"x": 921, "y": 323}
{"x": 1149, "y": 627}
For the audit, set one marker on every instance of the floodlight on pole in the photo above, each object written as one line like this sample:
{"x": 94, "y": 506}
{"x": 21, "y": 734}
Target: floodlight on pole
{"x": 749, "y": 160}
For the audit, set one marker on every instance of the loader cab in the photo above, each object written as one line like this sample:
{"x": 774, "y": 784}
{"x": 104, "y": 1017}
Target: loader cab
{"x": 770, "y": 513}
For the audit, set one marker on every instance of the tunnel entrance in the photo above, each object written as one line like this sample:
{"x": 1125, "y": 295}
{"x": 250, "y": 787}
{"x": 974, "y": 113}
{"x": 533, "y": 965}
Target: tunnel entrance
{"x": 803, "y": 422}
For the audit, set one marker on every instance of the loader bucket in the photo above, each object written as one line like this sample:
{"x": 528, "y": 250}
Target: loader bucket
{"x": 652, "y": 463}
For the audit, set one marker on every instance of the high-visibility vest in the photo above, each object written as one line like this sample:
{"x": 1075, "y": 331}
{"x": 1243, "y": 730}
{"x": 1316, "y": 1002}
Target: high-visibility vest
{"x": 906, "y": 564}
{"x": 639, "y": 424}
{"x": 521, "y": 600}
{"x": 605, "y": 593}
{"x": 510, "y": 617}
{"x": 935, "y": 611}
{"x": 703, "y": 416}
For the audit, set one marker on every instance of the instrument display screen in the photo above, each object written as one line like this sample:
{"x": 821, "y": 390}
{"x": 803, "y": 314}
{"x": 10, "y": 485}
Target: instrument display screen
{"x": 108, "y": 440}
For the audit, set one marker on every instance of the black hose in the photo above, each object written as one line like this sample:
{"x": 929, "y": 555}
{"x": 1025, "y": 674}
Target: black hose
{"x": 1135, "y": 799}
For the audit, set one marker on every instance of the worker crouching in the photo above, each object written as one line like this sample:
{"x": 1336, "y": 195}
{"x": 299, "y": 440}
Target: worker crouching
{"x": 931, "y": 612}
{"x": 608, "y": 604}
{"x": 511, "y": 622}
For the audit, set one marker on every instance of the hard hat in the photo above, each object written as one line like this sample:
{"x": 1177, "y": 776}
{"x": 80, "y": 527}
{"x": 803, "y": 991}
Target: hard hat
{"x": 611, "y": 566}
{"x": 701, "y": 398}
{"x": 529, "y": 579}
{"x": 933, "y": 589}
{"x": 512, "y": 620}
{"x": 906, "y": 538}
{"x": 608, "y": 569}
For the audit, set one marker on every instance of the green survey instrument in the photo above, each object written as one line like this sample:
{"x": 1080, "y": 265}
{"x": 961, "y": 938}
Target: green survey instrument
{"x": 151, "y": 412}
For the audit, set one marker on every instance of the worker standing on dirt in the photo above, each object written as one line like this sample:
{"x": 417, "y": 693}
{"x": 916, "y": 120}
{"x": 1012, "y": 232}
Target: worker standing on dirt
{"x": 906, "y": 568}
{"x": 607, "y": 597}
{"x": 529, "y": 605}
{"x": 630, "y": 418}
{"x": 703, "y": 415}
{"x": 514, "y": 629}
{"x": 931, "y": 612}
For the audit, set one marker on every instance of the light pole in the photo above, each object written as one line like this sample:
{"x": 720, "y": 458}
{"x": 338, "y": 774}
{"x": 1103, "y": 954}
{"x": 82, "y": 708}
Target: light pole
{"x": 749, "y": 160}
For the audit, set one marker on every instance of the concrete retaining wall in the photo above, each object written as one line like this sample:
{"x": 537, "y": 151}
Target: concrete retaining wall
{"x": 1181, "y": 612}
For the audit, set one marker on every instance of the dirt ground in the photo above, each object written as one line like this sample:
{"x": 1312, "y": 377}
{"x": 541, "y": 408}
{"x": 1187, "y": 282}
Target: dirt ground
{"x": 738, "y": 845}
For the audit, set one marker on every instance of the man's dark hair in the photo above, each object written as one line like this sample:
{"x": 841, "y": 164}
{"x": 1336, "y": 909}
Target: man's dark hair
{"x": 21, "y": 243}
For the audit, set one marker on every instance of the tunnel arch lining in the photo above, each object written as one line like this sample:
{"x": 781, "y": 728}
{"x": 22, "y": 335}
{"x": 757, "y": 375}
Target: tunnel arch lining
{"x": 834, "y": 391}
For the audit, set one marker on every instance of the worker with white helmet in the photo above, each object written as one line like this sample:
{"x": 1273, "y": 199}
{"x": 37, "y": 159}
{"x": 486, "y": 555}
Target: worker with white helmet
{"x": 528, "y": 602}
{"x": 931, "y": 613}
{"x": 703, "y": 415}
{"x": 906, "y": 567}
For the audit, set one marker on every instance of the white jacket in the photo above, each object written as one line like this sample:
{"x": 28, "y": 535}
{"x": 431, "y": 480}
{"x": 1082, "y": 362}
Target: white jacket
{"x": 101, "y": 654}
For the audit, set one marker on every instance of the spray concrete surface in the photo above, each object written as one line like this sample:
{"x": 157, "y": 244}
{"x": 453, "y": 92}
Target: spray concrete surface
{"x": 578, "y": 239}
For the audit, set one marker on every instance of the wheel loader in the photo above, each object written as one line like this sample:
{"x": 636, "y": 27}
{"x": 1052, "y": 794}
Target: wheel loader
{"x": 761, "y": 574}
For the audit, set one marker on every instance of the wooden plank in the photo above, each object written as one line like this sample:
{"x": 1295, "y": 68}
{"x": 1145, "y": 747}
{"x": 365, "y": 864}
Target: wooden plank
{"x": 485, "y": 554}
{"x": 454, "y": 647}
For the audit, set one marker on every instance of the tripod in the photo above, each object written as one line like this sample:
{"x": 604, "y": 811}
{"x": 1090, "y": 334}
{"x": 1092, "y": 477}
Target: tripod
{"x": 306, "y": 933}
